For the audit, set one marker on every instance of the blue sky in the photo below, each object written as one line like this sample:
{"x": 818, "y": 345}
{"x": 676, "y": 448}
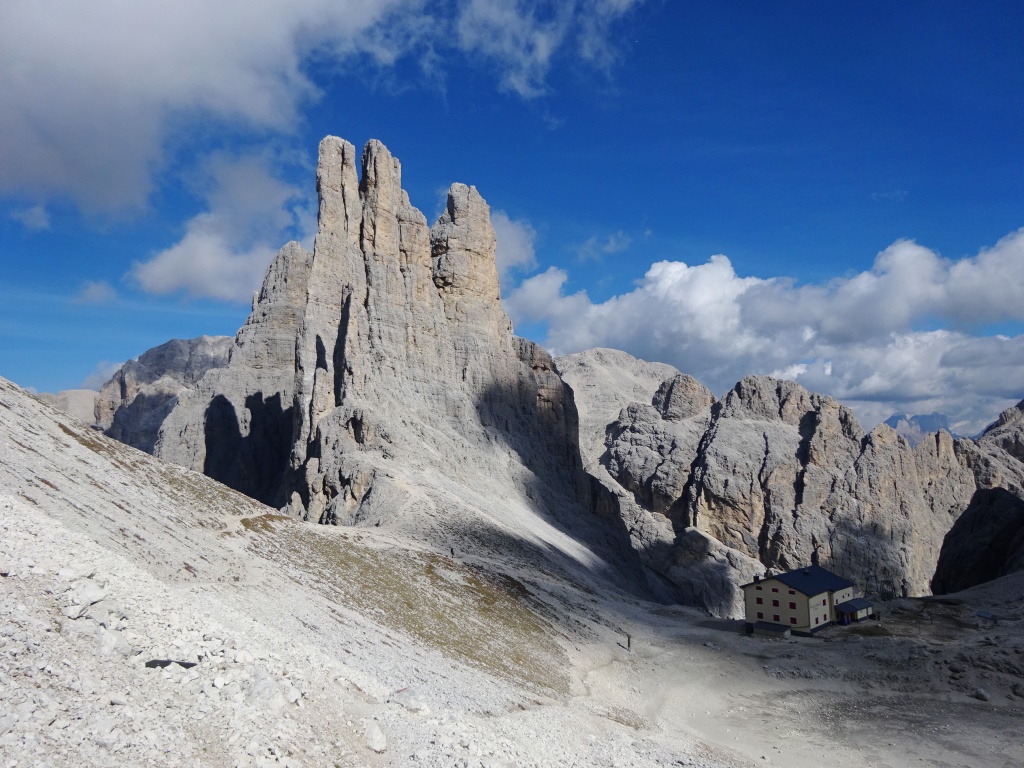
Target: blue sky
{"x": 828, "y": 192}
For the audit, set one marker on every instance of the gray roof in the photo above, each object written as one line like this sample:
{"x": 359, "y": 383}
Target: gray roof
{"x": 813, "y": 580}
{"x": 851, "y": 606}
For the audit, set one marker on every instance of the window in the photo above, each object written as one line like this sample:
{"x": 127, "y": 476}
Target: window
{"x": 775, "y": 603}
{"x": 758, "y": 588}
{"x": 792, "y": 591}
{"x": 760, "y": 615}
{"x": 792, "y": 606}
{"x": 823, "y": 602}
{"x": 760, "y": 600}
{"x": 775, "y": 589}
{"x": 775, "y": 617}
{"x": 815, "y": 619}
{"x": 792, "y": 620}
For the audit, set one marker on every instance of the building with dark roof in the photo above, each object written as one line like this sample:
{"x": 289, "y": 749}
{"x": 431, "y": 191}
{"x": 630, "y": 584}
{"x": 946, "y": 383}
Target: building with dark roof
{"x": 804, "y": 600}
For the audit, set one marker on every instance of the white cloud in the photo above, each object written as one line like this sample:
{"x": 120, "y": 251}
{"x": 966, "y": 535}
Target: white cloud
{"x": 226, "y": 249}
{"x": 96, "y": 292}
{"x": 34, "y": 218}
{"x": 94, "y": 94}
{"x": 867, "y": 339}
{"x": 515, "y": 244}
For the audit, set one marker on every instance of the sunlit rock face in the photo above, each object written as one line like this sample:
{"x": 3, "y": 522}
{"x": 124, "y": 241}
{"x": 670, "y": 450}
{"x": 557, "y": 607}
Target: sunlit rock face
{"x": 405, "y": 355}
{"x": 133, "y": 405}
{"x": 784, "y": 477}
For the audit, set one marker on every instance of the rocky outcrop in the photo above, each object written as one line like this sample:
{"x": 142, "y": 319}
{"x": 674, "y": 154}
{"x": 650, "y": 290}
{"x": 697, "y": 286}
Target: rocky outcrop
{"x": 133, "y": 404}
{"x": 378, "y": 382}
{"x": 405, "y": 342}
{"x": 783, "y": 477}
{"x": 650, "y": 448}
{"x": 986, "y": 542}
{"x": 790, "y": 478}
{"x": 604, "y": 382}
{"x": 997, "y": 457}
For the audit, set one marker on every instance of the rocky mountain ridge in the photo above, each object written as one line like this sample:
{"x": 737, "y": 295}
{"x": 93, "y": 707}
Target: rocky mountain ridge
{"x": 378, "y": 382}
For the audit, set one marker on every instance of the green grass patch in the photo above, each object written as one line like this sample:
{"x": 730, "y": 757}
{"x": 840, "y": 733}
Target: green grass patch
{"x": 484, "y": 619}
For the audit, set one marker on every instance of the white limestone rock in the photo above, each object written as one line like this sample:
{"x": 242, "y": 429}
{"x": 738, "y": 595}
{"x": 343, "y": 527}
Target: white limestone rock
{"x": 604, "y": 381}
{"x": 375, "y": 739}
{"x": 707, "y": 574}
{"x": 789, "y": 478}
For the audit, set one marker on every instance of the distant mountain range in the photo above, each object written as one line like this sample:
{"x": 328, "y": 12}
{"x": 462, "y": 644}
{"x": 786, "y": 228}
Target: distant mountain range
{"x": 915, "y": 427}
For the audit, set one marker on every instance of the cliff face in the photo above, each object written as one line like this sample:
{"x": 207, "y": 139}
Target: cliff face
{"x": 790, "y": 478}
{"x": 986, "y": 542}
{"x": 772, "y": 475}
{"x": 404, "y": 340}
{"x": 235, "y": 424}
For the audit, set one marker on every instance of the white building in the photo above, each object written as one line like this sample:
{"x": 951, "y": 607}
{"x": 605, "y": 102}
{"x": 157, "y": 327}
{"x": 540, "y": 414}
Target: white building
{"x": 803, "y": 601}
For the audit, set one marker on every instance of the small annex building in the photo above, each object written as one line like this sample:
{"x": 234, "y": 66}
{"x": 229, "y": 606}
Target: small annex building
{"x": 804, "y": 601}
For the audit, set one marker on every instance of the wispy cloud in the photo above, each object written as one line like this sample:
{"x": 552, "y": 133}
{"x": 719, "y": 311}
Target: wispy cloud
{"x": 100, "y": 375}
{"x": 95, "y": 292}
{"x": 868, "y": 338}
{"x": 596, "y": 248}
{"x": 34, "y": 218}
{"x": 515, "y": 250}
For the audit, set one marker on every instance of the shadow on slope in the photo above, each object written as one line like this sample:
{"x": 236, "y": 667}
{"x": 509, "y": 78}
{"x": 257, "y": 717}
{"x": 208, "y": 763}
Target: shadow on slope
{"x": 486, "y": 619}
{"x": 541, "y": 428}
{"x": 254, "y": 463}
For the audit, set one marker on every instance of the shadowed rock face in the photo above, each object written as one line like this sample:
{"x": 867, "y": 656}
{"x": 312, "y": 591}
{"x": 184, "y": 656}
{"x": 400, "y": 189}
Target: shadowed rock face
{"x": 133, "y": 405}
{"x": 986, "y": 542}
{"x": 236, "y": 423}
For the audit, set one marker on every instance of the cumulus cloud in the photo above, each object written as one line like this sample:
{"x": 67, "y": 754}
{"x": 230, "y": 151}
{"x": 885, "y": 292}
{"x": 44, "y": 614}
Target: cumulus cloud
{"x": 95, "y": 93}
{"x": 868, "y": 339}
{"x": 226, "y": 248}
{"x": 515, "y": 244}
{"x": 34, "y": 218}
